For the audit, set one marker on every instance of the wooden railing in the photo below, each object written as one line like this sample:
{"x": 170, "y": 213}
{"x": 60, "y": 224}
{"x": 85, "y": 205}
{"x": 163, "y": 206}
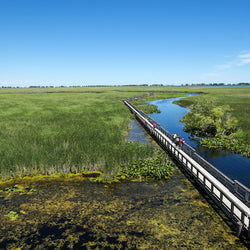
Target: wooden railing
{"x": 231, "y": 196}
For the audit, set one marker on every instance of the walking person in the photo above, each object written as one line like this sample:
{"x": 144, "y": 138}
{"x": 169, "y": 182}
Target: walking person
{"x": 174, "y": 137}
{"x": 177, "y": 140}
{"x": 181, "y": 142}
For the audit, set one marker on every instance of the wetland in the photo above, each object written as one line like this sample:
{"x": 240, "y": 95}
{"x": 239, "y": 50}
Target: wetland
{"x": 79, "y": 212}
{"x": 72, "y": 131}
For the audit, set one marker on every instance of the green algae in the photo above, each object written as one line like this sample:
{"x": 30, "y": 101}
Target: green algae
{"x": 66, "y": 213}
{"x": 12, "y": 215}
{"x": 18, "y": 189}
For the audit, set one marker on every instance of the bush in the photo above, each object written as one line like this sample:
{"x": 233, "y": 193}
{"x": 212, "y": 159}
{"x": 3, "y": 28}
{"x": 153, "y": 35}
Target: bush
{"x": 158, "y": 167}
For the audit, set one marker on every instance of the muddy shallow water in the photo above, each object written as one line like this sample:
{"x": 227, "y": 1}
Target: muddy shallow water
{"x": 78, "y": 213}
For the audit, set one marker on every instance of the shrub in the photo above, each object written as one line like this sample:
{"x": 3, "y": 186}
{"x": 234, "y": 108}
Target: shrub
{"x": 157, "y": 167}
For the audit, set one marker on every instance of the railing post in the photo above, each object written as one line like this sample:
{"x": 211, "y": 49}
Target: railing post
{"x": 248, "y": 231}
{"x": 221, "y": 197}
{"x": 232, "y": 210}
{"x": 246, "y": 196}
{"x": 204, "y": 181}
{"x": 235, "y": 187}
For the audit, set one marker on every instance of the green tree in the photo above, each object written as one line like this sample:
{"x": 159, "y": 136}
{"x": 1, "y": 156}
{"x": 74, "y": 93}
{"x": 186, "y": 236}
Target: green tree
{"x": 207, "y": 119}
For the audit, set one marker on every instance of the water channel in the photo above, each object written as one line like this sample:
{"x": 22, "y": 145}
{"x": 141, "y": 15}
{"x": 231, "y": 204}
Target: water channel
{"x": 233, "y": 165}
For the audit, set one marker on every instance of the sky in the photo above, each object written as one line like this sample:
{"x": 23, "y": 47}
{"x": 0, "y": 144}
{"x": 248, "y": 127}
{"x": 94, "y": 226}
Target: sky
{"x": 123, "y": 42}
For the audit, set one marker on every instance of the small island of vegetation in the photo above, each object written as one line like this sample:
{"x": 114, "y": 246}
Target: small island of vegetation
{"x": 220, "y": 117}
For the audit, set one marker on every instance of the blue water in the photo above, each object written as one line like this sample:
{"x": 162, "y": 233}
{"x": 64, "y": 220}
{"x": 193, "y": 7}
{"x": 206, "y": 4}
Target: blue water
{"x": 233, "y": 165}
{"x": 137, "y": 133}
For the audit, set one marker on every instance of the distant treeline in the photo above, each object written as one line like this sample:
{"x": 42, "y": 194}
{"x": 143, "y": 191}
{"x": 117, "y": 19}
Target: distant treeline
{"x": 131, "y": 85}
{"x": 217, "y": 84}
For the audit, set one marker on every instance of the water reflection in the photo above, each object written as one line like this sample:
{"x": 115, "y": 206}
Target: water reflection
{"x": 79, "y": 213}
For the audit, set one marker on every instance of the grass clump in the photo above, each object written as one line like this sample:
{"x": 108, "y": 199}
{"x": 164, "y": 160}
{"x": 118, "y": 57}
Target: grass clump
{"x": 145, "y": 107}
{"x": 233, "y": 144}
{"x": 157, "y": 167}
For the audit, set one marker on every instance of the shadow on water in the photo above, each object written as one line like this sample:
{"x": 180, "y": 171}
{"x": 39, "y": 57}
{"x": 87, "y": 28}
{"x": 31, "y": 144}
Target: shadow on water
{"x": 78, "y": 213}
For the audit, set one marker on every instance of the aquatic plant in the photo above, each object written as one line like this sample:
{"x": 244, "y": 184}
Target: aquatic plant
{"x": 79, "y": 129}
{"x": 158, "y": 167}
{"x": 76, "y": 213}
{"x": 12, "y": 215}
{"x": 18, "y": 189}
{"x": 235, "y": 145}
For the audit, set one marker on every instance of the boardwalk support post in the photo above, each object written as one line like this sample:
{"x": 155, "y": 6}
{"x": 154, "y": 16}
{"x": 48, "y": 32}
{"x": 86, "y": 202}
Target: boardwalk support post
{"x": 239, "y": 226}
{"x": 248, "y": 233}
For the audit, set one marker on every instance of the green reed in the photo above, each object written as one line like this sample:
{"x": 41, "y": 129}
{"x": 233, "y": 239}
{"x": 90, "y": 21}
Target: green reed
{"x": 49, "y": 133}
{"x": 63, "y": 130}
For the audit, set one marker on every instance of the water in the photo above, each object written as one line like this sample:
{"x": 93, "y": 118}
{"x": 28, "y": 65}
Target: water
{"x": 137, "y": 133}
{"x": 233, "y": 165}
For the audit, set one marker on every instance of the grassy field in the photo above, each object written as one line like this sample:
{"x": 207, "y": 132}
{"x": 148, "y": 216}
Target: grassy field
{"x": 66, "y": 130}
{"x": 62, "y": 130}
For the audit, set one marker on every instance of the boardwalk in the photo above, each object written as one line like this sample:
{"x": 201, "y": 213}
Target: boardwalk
{"x": 231, "y": 196}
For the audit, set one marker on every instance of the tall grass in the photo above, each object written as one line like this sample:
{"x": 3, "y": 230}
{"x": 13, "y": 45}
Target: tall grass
{"x": 75, "y": 129}
{"x": 61, "y": 132}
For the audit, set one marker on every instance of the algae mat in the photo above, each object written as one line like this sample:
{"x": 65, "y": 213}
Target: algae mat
{"x": 66, "y": 213}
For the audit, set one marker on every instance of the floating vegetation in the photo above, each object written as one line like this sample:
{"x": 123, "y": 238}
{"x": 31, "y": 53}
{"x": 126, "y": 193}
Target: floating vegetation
{"x": 234, "y": 145}
{"x": 78, "y": 213}
{"x": 12, "y": 215}
{"x": 18, "y": 189}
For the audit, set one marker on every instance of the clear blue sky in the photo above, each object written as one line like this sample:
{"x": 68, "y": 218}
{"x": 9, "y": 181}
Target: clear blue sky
{"x": 85, "y": 42}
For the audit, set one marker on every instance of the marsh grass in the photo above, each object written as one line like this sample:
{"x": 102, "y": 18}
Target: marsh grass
{"x": 69, "y": 130}
{"x": 51, "y": 133}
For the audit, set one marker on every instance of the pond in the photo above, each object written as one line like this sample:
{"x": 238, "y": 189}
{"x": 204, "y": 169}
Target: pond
{"x": 79, "y": 213}
{"x": 137, "y": 133}
{"x": 233, "y": 165}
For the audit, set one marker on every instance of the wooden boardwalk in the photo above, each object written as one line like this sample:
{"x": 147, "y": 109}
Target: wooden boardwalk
{"x": 231, "y": 196}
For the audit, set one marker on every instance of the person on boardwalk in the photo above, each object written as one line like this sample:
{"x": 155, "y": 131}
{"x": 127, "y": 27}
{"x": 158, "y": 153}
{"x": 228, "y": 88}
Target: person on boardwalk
{"x": 177, "y": 140}
{"x": 174, "y": 137}
{"x": 154, "y": 125}
{"x": 181, "y": 142}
